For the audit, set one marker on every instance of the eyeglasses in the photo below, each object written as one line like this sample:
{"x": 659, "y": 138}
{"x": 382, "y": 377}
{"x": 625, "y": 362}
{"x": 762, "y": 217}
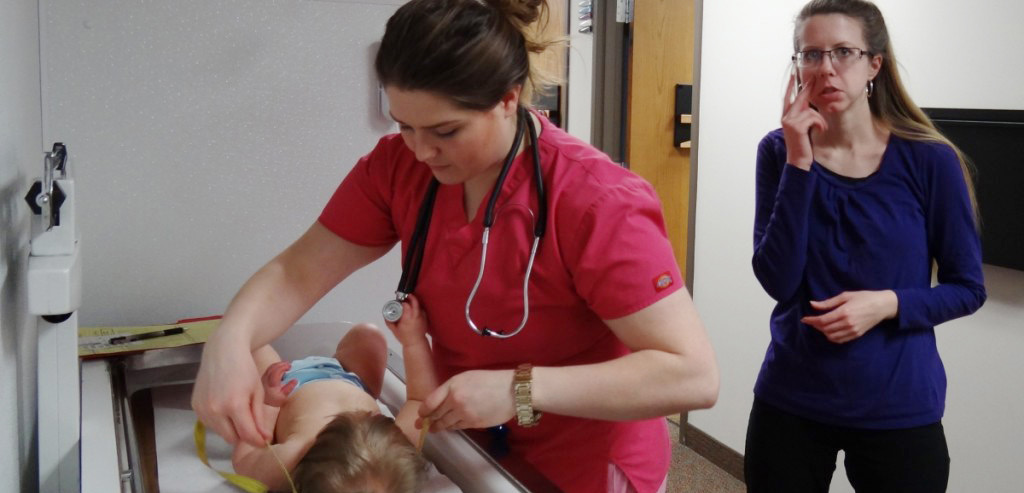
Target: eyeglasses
{"x": 841, "y": 57}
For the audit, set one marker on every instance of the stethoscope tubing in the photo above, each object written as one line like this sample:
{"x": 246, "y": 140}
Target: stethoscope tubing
{"x": 414, "y": 255}
{"x": 526, "y": 289}
{"x": 538, "y": 232}
{"x": 417, "y": 244}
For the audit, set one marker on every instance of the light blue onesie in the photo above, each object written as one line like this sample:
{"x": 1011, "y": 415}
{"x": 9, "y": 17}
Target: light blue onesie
{"x": 313, "y": 368}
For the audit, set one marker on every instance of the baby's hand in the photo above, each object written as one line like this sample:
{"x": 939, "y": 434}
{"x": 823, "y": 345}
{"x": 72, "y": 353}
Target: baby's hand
{"x": 412, "y": 327}
{"x": 274, "y": 394}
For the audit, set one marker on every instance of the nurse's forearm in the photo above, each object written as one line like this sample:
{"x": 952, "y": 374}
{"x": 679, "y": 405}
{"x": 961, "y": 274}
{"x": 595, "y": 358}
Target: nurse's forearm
{"x": 284, "y": 289}
{"x": 266, "y": 306}
{"x": 641, "y": 385}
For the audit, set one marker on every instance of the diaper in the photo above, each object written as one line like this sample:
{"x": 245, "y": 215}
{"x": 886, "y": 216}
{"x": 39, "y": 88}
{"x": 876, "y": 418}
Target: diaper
{"x": 313, "y": 368}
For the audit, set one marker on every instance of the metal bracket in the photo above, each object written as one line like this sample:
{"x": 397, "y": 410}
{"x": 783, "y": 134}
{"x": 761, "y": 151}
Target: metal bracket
{"x": 45, "y": 196}
{"x": 624, "y": 11}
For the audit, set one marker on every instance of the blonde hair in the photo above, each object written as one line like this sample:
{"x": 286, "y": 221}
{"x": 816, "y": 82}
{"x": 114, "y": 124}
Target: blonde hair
{"x": 890, "y": 103}
{"x": 472, "y": 51}
{"x": 360, "y": 452}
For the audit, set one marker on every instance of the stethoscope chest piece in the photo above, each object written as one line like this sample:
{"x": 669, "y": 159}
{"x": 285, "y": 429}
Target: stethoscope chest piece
{"x": 392, "y": 311}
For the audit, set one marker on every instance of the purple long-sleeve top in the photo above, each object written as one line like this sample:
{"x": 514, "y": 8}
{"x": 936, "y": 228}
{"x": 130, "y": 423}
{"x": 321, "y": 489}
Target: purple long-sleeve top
{"x": 818, "y": 234}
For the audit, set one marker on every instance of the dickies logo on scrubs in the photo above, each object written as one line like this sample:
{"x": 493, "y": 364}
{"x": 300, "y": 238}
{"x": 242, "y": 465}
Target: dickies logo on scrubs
{"x": 662, "y": 282}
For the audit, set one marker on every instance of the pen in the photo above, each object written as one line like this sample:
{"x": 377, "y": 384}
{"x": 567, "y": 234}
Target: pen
{"x": 147, "y": 335}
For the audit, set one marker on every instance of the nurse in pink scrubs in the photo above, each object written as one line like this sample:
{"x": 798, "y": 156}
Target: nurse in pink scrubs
{"x": 582, "y": 360}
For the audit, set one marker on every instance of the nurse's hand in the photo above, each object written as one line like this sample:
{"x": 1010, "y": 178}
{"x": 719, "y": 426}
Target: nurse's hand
{"x": 473, "y": 399}
{"x": 228, "y": 394}
{"x": 850, "y": 314}
{"x": 798, "y": 118}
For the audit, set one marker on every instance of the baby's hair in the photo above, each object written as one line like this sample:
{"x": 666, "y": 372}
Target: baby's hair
{"x": 361, "y": 452}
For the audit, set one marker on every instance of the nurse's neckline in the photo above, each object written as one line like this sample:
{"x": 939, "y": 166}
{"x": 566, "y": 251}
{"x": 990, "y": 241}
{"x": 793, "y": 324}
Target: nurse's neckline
{"x": 473, "y": 209}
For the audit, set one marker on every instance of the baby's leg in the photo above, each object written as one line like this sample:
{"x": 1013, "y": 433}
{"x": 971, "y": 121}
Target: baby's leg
{"x": 364, "y": 351}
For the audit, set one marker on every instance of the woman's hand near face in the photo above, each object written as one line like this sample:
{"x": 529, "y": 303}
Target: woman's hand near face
{"x": 850, "y": 314}
{"x": 473, "y": 399}
{"x": 798, "y": 118}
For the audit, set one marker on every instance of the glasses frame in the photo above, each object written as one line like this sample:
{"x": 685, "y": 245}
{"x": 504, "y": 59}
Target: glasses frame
{"x": 798, "y": 56}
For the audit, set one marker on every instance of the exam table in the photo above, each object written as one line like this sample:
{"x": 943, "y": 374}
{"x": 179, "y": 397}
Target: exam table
{"x": 148, "y": 445}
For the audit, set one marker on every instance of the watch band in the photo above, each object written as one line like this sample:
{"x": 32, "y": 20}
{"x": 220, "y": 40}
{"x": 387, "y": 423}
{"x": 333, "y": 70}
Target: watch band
{"x": 522, "y": 391}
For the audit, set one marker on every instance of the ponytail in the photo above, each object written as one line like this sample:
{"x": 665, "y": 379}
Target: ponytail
{"x": 471, "y": 51}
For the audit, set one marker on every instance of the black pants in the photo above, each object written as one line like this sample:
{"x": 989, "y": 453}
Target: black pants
{"x": 789, "y": 454}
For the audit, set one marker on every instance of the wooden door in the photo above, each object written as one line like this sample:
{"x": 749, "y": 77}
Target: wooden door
{"x": 661, "y": 57}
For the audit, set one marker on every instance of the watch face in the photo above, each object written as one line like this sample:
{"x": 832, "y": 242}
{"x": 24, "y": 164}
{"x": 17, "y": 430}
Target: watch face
{"x": 392, "y": 311}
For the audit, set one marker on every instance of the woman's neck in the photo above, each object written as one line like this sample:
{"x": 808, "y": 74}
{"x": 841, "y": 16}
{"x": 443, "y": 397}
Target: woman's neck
{"x": 854, "y": 143}
{"x": 476, "y": 188}
{"x": 847, "y": 130}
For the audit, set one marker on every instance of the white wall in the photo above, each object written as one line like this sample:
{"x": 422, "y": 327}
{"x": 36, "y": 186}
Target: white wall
{"x": 953, "y": 54}
{"x": 21, "y": 159}
{"x": 206, "y": 135}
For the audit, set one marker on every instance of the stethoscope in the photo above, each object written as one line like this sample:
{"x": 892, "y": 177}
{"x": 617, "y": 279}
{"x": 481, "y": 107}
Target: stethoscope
{"x": 414, "y": 255}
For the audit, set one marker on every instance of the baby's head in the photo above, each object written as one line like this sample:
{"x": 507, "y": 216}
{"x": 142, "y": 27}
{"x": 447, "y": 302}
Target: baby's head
{"x": 361, "y": 452}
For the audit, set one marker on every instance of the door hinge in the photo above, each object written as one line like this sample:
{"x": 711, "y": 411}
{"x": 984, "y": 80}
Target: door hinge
{"x": 624, "y": 11}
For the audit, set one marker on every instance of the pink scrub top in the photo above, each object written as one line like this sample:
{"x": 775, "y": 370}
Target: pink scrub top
{"x": 605, "y": 255}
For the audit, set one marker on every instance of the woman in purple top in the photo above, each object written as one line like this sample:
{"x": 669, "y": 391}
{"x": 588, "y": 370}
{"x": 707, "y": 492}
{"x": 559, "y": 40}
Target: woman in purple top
{"x": 859, "y": 198}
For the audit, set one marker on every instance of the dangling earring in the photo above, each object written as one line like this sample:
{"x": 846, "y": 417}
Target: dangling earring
{"x": 871, "y": 88}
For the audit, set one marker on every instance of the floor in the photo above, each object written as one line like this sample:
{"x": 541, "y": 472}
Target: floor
{"x": 691, "y": 473}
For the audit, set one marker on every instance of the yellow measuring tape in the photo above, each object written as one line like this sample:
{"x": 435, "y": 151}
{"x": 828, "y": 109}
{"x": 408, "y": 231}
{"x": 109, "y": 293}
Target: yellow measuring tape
{"x": 425, "y": 428}
{"x": 244, "y": 482}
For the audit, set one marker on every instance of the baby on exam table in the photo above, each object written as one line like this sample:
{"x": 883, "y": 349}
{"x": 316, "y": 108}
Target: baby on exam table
{"x": 328, "y": 430}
